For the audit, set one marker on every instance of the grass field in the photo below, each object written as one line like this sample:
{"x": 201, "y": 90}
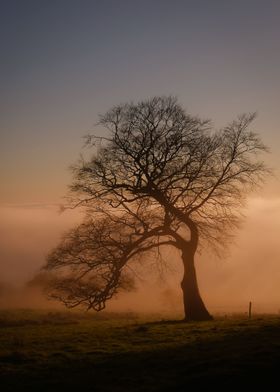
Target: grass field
{"x": 57, "y": 351}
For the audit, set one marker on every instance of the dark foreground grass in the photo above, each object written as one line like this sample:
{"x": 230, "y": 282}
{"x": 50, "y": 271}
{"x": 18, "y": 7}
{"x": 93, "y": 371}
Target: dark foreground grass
{"x": 42, "y": 351}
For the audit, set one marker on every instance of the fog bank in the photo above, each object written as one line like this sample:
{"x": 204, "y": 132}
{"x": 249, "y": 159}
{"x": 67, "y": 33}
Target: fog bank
{"x": 250, "y": 273}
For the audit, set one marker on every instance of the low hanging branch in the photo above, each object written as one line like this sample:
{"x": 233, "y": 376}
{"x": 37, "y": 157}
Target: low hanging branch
{"x": 92, "y": 259}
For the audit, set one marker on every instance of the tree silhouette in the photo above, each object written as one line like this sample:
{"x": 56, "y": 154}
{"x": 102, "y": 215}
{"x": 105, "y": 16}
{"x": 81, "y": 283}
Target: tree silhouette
{"x": 159, "y": 178}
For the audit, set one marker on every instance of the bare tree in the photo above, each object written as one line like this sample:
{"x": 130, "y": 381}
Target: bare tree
{"x": 159, "y": 178}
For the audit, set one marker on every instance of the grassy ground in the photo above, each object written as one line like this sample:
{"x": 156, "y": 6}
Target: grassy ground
{"x": 44, "y": 351}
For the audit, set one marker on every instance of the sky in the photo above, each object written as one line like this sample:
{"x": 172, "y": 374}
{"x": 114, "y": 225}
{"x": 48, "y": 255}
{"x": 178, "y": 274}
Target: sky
{"x": 64, "y": 62}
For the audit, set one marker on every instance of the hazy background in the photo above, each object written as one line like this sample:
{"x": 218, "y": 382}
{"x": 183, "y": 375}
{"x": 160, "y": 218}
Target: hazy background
{"x": 250, "y": 273}
{"x": 64, "y": 62}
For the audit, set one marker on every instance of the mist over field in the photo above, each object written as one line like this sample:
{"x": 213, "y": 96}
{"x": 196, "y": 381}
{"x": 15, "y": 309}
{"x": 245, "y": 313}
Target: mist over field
{"x": 250, "y": 272}
{"x": 168, "y": 113}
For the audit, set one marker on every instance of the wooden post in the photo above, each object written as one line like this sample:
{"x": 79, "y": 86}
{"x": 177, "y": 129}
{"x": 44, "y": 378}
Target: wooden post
{"x": 250, "y": 309}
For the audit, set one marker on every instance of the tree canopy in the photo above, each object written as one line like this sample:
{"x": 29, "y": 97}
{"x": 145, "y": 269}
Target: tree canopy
{"x": 158, "y": 177}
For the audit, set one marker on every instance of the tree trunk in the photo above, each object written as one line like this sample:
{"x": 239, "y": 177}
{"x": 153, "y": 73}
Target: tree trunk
{"x": 195, "y": 309}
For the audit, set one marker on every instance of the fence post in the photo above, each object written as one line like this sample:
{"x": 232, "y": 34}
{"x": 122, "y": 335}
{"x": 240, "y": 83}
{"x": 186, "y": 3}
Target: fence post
{"x": 250, "y": 309}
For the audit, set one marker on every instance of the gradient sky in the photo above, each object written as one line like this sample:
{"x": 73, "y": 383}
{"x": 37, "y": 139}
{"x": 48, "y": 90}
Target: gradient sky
{"x": 63, "y": 62}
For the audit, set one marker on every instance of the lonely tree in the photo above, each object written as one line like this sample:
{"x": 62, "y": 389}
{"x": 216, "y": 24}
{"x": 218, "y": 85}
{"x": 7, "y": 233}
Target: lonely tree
{"x": 159, "y": 177}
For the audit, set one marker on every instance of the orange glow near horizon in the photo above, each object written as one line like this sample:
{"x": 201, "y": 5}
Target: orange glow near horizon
{"x": 250, "y": 273}
{"x": 65, "y": 63}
